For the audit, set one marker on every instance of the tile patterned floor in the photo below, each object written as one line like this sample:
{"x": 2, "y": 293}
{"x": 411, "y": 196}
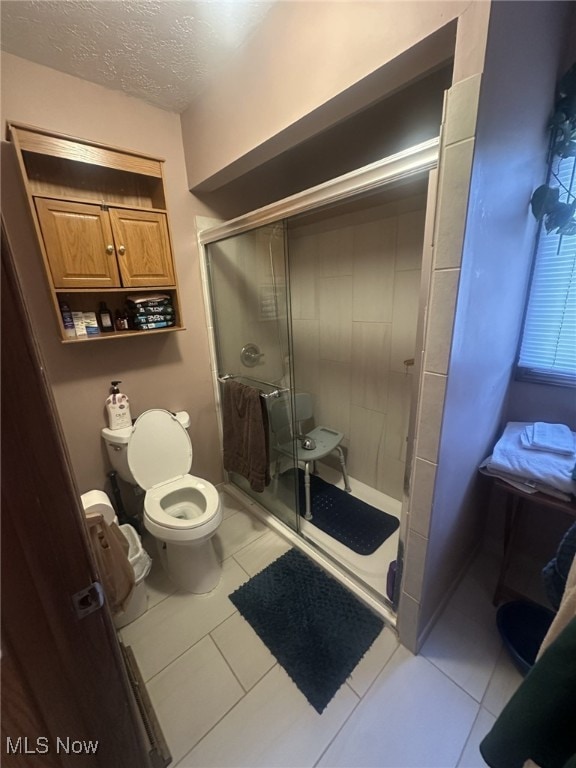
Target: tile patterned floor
{"x": 222, "y": 699}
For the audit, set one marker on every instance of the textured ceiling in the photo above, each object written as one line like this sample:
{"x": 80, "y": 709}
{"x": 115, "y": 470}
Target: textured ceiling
{"x": 163, "y": 51}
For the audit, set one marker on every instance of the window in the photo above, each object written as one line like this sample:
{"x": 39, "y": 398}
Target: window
{"x": 548, "y": 347}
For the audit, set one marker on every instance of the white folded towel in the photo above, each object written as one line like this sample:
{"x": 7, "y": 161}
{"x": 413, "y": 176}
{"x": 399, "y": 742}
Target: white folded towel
{"x": 510, "y": 456}
{"x": 554, "y": 438}
{"x": 523, "y": 484}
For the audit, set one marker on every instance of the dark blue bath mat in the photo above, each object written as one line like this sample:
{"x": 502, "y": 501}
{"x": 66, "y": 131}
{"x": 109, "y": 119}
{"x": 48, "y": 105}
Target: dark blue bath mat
{"x": 352, "y": 522}
{"x": 317, "y": 630}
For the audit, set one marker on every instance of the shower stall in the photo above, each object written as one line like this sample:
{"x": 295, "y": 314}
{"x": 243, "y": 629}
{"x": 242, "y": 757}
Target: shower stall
{"x": 318, "y": 301}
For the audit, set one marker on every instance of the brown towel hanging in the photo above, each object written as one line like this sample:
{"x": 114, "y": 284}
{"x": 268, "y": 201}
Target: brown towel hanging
{"x": 110, "y": 549}
{"x": 245, "y": 432}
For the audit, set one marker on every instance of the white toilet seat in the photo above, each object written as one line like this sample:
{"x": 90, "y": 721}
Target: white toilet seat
{"x": 182, "y": 512}
{"x": 182, "y": 518}
{"x": 159, "y": 449}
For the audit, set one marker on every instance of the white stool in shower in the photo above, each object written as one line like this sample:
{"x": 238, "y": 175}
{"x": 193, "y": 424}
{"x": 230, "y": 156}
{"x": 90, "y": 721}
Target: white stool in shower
{"x": 321, "y": 440}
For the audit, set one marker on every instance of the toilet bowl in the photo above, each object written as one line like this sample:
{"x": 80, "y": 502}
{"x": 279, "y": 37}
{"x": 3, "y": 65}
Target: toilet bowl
{"x": 181, "y": 511}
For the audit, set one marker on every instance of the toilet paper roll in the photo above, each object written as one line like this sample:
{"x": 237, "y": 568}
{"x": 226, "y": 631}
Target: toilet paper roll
{"x": 97, "y": 502}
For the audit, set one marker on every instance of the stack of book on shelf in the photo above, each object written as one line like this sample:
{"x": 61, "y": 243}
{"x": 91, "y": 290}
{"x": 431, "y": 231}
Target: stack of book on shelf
{"x": 147, "y": 312}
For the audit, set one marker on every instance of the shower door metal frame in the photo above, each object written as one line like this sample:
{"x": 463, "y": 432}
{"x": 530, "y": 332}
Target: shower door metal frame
{"x": 417, "y": 161}
{"x": 414, "y": 161}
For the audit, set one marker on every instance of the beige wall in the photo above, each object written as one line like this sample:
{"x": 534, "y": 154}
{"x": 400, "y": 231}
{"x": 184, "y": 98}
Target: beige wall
{"x": 312, "y": 64}
{"x": 395, "y": 123}
{"x": 354, "y": 284}
{"x": 171, "y": 370}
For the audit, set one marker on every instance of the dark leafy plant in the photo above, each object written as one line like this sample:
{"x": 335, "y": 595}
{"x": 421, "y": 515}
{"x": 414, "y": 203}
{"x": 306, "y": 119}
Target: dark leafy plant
{"x": 556, "y": 206}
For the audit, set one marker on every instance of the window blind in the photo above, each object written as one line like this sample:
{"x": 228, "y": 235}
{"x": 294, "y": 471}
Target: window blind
{"x": 548, "y": 348}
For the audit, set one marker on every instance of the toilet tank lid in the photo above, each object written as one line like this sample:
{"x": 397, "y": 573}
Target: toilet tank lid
{"x": 122, "y": 436}
{"x": 117, "y": 436}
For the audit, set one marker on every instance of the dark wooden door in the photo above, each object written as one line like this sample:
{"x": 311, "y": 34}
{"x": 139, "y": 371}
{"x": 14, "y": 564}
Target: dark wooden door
{"x": 66, "y": 698}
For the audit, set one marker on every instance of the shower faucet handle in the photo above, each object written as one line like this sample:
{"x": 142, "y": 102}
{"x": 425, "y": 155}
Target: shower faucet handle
{"x": 251, "y": 355}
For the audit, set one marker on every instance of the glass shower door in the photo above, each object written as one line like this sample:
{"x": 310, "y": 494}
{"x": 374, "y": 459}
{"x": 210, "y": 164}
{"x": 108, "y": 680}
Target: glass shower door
{"x": 251, "y": 316}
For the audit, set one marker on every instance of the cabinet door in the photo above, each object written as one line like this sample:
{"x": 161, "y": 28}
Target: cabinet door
{"x": 143, "y": 247}
{"x": 79, "y": 244}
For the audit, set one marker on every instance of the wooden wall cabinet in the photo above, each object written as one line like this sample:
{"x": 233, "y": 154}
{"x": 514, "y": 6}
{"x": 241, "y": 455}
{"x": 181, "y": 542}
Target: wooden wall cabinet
{"x": 101, "y": 222}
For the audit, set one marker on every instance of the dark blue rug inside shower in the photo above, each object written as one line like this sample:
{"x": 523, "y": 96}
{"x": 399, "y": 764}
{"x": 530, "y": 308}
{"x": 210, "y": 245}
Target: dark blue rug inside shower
{"x": 357, "y": 525}
{"x": 317, "y": 630}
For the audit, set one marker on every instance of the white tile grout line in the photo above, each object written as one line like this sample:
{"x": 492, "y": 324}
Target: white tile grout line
{"x": 374, "y": 681}
{"x": 253, "y": 687}
{"x": 246, "y": 691}
{"x": 360, "y": 699}
{"x": 221, "y": 652}
{"x": 481, "y": 699}
{"x": 248, "y": 543}
{"x": 158, "y": 602}
{"x": 146, "y": 681}
{"x": 172, "y": 594}
{"x": 482, "y": 705}
{"x": 176, "y": 591}
{"x": 248, "y": 577}
{"x": 455, "y": 682}
{"x": 468, "y": 737}
{"x": 226, "y": 713}
{"x": 209, "y": 634}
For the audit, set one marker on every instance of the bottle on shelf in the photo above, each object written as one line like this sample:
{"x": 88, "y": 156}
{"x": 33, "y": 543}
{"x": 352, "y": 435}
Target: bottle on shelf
{"x": 121, "y": 320}
{"x": 67, "y": 320}
{"x": 105, "y": 318}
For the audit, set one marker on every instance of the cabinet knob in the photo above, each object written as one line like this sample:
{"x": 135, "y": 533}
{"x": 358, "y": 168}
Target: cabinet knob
{"x": 109, "y": 249}
{"x": 122, "y": 250}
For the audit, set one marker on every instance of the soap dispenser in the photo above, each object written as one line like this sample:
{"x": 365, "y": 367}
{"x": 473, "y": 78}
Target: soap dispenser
{"x": 118, "y": 408}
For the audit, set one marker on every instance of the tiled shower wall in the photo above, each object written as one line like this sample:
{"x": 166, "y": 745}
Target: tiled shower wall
{"x": 355, "y": 282}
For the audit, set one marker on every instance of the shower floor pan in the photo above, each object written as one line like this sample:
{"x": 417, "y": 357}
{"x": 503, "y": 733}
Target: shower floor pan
{"x": 371, "y": 569}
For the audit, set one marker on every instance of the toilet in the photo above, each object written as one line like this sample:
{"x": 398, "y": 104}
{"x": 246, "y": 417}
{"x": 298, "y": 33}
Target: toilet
{"x": 181, "y": 511}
